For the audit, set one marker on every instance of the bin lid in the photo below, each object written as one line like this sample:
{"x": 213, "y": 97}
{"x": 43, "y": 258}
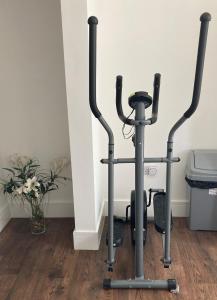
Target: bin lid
{"x": 202, "y": 165}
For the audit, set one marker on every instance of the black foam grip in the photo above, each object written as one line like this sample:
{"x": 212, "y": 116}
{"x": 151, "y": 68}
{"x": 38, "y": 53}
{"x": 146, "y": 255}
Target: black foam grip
{"x": 92, "y": 21}
{"x": 205, "y": 18}
{"x": 157, "y": 78}
{"x": 119, "y": 101}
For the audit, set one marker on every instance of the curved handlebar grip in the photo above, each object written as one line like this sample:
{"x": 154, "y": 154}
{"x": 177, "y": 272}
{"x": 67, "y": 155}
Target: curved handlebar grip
{"x": 157, "y": 77}
{"x": 119, "y": 102}
{"x": 205, "y": 18}
{"x": 92, "y": 21}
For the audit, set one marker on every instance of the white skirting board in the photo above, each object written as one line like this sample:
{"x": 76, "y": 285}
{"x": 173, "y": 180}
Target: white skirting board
{"x": 90, "y": 239}
{"x": 5, "y": 216}
{"x": 54, "y": 209}
{"x": 179, "y": 208}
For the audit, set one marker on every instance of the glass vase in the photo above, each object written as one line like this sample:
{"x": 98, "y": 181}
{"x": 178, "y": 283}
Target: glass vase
{"x": 38, "y": 225}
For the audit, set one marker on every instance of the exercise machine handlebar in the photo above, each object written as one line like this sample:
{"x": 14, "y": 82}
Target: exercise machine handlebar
{"x": 93, "y": 21}
{"x": 119, "y": 108}
{"x": 157, "y": 77}
{"x": 124, "y": 119}
{"x": 205, "y": 18}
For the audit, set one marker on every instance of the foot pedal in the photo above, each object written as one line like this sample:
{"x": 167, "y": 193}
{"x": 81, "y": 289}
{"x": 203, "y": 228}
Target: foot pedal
{"x": 118, "y": 232}
{"x": 159, "y": 202}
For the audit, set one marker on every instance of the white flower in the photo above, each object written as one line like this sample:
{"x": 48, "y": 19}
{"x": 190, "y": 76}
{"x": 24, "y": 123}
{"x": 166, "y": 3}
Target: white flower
{"x": 31, "y": 185}
{"x": 36, "y": 194}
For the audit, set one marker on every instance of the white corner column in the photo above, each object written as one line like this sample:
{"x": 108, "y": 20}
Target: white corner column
{"x": 88, "y": 224}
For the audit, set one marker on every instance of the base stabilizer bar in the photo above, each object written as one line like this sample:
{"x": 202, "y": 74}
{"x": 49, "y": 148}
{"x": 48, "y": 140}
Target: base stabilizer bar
{"x": 169, "y": 284}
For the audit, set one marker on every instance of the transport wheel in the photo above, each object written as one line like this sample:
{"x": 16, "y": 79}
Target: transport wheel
{"x": 132, "y": 217}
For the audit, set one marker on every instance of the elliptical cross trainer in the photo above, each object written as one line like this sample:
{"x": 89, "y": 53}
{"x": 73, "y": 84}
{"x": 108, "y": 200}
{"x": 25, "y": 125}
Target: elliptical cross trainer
{"x": 139, "y": 101}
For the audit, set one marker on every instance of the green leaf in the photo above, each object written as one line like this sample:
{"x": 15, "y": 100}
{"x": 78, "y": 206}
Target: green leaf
{"x": 34, "y": 166}
{"x": 53, "y": 189}
{"x": 17, "y": 169}
{"x": 10, "y": 170}
{"x": 43, "y": 189}
{"x": 29, "y": 162}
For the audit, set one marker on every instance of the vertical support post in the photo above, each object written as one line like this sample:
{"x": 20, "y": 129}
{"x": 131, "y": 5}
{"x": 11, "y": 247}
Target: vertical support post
{"x": 139, "y": 188}
{"x": 110, "y": 260}
{"x": 110, "y": 205}
{"x": 167, "y": 258}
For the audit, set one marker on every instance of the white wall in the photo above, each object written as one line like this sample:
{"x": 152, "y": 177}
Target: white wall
{"x": 87, "y": 203}
{"x": 137, "y": 39}
{"x": 33, "y": 114}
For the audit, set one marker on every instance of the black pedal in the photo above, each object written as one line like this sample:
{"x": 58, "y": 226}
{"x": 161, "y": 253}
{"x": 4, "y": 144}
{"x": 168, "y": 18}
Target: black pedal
{"x": 118, "y": 232}
{"x": 159, "y": 202}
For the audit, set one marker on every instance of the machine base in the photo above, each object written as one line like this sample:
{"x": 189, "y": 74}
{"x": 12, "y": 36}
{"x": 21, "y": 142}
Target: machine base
{"x": 170, "y": 284}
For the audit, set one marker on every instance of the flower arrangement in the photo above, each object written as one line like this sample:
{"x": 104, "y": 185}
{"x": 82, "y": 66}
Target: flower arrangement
{"x": 29, "y": 183}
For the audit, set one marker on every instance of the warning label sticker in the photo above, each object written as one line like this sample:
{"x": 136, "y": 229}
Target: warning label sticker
{"x": 213, "y": 192}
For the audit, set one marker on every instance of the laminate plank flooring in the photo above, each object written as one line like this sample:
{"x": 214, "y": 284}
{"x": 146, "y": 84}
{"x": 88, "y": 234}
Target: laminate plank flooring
{"x": 47, "y": 267}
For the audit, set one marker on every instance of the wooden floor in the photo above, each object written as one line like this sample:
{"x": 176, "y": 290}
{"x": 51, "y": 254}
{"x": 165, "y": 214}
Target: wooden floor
{"x": 47, "y": 267}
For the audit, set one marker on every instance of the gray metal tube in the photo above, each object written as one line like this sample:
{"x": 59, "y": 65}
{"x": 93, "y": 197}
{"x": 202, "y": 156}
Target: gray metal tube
{"x": 146, "y": 160}
{"x": 139, "y": 188}
{"x": 119, "y": 161}
{"x": 110, "y": 260}
{"x": 167, "y": 258}
{"x": 108, "y": 129}
{"x": 175, "y": 127}
{"x": 167, "y": 255}
{"x": 160, "y": 159}
{"x": 110, "y": 206}
{"x": 139, "y": 284}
